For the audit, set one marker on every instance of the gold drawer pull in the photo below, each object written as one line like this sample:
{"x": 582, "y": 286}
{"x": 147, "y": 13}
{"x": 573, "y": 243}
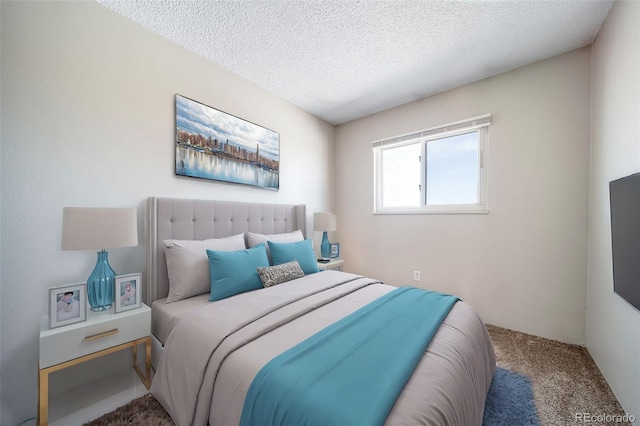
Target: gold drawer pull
{"x": 101, "y": 335}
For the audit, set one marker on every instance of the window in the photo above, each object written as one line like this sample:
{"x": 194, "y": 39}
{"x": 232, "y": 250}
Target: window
{"x": 437, "y": 170}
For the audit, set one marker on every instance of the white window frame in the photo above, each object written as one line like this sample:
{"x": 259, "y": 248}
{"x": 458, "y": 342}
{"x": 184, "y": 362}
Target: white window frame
{"x": 479, "y": 124}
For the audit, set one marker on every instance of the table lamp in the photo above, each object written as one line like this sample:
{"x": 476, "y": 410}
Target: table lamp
{"x": 325, "y": 222}
{"x": 86, "y": 228}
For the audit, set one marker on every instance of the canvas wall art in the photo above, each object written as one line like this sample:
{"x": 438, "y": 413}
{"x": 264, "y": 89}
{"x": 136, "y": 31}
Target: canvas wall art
{"x": 212, "y": 144}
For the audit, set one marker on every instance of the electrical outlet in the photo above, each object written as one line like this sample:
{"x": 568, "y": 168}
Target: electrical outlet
{"x": 416, "y": 275}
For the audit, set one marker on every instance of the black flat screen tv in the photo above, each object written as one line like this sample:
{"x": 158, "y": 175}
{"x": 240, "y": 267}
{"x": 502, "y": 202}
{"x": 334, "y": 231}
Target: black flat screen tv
{"x": 624, "y": 196}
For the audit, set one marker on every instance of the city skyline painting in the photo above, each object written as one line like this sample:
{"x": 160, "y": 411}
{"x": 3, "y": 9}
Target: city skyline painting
{"x": 212, "y": 144}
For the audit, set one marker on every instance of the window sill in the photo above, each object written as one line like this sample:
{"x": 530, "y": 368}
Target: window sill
{"x": 434, "y": 210}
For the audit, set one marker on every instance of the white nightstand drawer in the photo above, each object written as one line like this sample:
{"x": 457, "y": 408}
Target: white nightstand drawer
{"x": 101, "y": 330}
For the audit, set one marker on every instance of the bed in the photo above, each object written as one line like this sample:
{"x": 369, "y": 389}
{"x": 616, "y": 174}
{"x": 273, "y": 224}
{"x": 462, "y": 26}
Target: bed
{"x": 207, "y": 354}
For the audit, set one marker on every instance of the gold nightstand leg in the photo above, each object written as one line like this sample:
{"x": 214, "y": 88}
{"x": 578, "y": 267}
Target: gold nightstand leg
{"x": 43, "y": 374}
{"x": 146, "y": 380}
{"x": 148, "y": 361}
{"x": 43, "y": 397}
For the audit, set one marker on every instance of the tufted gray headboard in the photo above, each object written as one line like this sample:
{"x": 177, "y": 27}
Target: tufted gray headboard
{"x": 183, "y": 219}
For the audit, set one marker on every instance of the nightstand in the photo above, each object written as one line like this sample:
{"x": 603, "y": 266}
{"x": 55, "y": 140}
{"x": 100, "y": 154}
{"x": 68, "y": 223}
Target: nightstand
{"x": 101, "y": 334}
{"x": 335, "y": 264}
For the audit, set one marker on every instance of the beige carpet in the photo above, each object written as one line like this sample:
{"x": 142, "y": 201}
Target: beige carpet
{"x": 565, "y": 381}
{"x": 565, "y": 378}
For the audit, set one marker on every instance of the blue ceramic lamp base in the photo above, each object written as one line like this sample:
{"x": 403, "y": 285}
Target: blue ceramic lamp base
{"x": 325, "y": 246}
{"x": 100, "y": 285}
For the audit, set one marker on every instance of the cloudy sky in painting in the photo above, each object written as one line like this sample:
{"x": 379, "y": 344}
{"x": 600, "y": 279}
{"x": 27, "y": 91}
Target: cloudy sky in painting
{"x": 195, "y": 117}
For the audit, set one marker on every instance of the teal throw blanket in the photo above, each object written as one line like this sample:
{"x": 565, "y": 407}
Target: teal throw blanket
{"x": 351, "y": 372}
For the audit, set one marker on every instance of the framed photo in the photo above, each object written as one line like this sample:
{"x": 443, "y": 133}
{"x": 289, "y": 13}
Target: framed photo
{"x": 128, "y": 292}
{"x": 67, "y": 304}
{"x": 212, "y": 144}
{"x": 335, "y": 250}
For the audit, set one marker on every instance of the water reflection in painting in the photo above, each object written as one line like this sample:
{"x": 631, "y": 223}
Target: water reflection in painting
{"x": 198, "y": 164}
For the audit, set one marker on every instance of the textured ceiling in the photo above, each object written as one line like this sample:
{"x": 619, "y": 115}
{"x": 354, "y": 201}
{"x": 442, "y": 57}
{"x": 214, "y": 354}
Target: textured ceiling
{"x": 342, "y": 60}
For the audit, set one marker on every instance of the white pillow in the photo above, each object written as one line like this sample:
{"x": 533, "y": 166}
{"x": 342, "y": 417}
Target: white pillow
{"x": 257, "y": 239}
{"x": 188, "y": 264}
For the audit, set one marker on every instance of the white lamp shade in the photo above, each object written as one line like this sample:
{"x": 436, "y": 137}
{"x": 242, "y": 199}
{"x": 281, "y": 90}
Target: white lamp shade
{"x": 85, "y": 228}
{"x": 325, "y": 222}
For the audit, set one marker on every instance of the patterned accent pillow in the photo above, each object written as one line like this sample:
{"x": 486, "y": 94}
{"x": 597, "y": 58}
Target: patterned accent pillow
{"x": 272, "y": 275}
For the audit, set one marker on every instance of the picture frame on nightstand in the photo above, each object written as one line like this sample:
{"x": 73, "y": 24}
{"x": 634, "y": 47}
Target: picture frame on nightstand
{"x": 67, "y": 304}
{"x": 335, "y": 250}
{"x": 128, "y": 292}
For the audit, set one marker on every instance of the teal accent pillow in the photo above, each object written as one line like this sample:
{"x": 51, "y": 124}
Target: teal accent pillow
{"x": 234, "y": 272}
{"x": 302, "y": 251}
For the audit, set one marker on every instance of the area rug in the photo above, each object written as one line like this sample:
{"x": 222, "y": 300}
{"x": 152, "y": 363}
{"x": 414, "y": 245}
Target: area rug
{"x": 510, "y": 400}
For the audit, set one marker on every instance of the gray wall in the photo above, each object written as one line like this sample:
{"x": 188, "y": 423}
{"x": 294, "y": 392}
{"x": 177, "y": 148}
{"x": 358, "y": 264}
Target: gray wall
{"x": 524, "y": 264}
{"x": 613, "y": 325}
{"x": 88, "y": 120}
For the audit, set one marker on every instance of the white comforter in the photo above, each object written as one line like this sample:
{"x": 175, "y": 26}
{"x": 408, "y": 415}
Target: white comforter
{"x": 213, "y": 352}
